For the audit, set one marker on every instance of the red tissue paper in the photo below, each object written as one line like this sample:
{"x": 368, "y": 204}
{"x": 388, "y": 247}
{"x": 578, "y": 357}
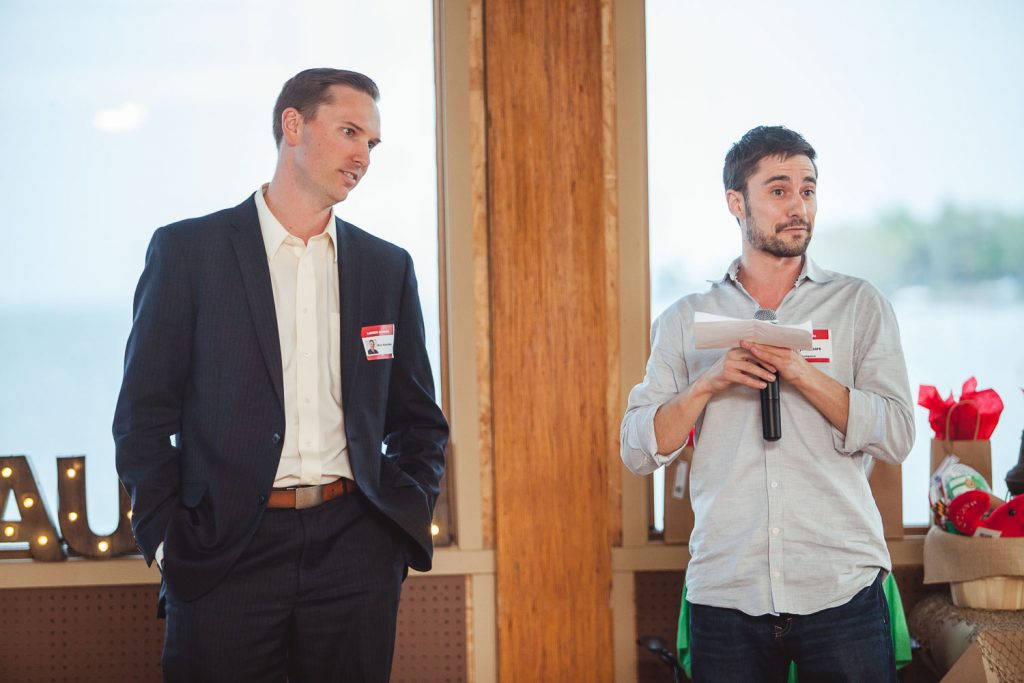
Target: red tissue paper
{"x": 973, "y": 417}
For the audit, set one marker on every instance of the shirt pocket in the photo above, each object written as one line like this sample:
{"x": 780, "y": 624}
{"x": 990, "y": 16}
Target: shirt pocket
{"x": 334, "y": 354}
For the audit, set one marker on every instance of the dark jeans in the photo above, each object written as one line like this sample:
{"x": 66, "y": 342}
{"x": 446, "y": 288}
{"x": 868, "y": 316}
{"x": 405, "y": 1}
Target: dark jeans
{"x": 851, "y": 642}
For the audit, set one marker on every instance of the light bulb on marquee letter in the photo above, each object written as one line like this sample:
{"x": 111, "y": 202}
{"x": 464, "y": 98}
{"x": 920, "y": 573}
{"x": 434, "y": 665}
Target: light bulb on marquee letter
{"x": 78, "y": 535}
{"x": 35, "y": 527}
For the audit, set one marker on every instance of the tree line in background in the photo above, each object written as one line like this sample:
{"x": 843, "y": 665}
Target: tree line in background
{"x": 958, "y": 250}
{"x": 960, "y": 253}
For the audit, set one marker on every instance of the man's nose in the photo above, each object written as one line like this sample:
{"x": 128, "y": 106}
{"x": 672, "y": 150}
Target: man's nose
{"x": 362, "y": 155}
{"x": 798, "y": 206}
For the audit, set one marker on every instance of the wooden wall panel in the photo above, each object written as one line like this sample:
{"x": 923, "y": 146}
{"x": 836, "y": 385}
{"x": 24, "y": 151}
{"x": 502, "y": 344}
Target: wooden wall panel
{"x": 430, "y": 642}
{"x": 549, "y": 343}
{"x": 111, "y": 633}
{"x": 81, "y": 633}
{"x": 657, "y": 595}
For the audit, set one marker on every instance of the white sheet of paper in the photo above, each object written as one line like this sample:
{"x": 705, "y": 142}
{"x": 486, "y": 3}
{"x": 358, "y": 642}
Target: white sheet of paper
{"x": 719, "y": 332}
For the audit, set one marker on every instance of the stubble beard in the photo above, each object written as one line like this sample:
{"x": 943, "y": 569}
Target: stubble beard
{"x": 772, "y": 243}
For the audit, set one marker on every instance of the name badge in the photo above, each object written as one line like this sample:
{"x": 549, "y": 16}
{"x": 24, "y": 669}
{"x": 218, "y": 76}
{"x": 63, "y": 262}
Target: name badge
{"x": 821, "y": 347}
{"x": 379, "y": 341}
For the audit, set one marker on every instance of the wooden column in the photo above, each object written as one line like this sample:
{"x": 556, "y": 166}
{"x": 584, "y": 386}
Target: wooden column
{"x": 550, "y": 330}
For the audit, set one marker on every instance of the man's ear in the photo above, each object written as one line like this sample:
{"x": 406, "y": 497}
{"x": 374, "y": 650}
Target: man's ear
{"x": 737, "y": 207}
{"x": 291, "y": 125}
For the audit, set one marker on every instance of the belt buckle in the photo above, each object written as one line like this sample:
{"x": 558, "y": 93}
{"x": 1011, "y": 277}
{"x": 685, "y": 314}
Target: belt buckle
{"x": 308, "y": 497}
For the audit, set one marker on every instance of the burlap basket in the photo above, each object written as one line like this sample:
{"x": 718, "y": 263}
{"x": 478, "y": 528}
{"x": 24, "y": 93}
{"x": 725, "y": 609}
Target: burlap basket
{"x": 983, "y": 573}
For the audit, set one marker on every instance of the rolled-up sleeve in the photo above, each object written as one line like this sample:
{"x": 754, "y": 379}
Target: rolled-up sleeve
{"x": 881, "y": 420}
{"x": 666, "y": 376}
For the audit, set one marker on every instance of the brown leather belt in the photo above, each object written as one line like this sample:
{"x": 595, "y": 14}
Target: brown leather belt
{"x": 303, "y": 497}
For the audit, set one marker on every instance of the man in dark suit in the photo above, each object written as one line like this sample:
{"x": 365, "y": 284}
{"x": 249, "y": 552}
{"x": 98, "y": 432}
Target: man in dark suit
{"x": 282, "y": 482}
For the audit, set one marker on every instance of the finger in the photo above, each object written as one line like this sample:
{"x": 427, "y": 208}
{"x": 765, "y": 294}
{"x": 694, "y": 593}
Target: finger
{"x": 760, "y": 364}
{"x": 760, "y": 371}
{"x": 751, "y": 374}
{"x": 753, "y": 366}
{"x": 755, "y": 348}
{"x": 740, "y": 377}
{"x": 769, "y": 360}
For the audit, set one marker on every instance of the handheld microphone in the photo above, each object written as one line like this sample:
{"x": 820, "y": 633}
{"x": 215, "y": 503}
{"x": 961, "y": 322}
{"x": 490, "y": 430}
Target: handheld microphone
{"x": 771, "y": 417}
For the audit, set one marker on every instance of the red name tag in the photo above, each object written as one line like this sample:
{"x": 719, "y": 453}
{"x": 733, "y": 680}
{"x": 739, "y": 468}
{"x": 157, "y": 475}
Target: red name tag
{"x": 821, "y": 347}
{"x": 378, "y": 341}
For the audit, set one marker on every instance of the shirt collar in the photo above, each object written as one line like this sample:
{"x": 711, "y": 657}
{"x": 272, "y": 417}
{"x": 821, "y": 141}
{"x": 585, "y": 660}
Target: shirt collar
{"x": 810, "y": 270}
{"x": 274, "y": 234}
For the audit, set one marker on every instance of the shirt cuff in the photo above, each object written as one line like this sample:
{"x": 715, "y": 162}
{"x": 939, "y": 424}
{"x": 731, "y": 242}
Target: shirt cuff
{"x": 865, "y": 423}
{"x": 158, "y": 556}
{"x": 642, "y": 443}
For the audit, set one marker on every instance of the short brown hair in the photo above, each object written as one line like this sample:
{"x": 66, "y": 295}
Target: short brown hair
{"x": 307, "y": 90}
{"x": 756, "y": 144}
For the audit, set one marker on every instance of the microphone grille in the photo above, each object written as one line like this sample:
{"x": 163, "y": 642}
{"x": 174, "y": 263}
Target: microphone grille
{"x": 765, "y": 314}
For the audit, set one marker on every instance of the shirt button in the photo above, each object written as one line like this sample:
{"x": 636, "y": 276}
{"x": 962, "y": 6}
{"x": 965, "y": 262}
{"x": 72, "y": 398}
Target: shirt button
{"x": 306, "y": 354}
{"x": 306, "y": 399}
{"x": 276, "y": 438}
{"x": 775, "y": 484}
{"x": 261, "y": 500}
{"x": 776, "y": 575}
{"x": 775, "y": 530}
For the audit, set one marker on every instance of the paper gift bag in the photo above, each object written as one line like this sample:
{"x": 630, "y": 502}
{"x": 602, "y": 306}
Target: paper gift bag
{"x": 678, "y": 510}
{"x": 886, "y": 482}
{"x": 975, "y": 453}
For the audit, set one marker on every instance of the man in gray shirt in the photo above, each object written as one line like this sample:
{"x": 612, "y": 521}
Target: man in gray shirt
{"x": 787, "y": 547}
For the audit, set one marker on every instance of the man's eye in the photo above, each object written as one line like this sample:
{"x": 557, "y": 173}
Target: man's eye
{"x": 809, "y": 192}
{"x": 348, "y": 131}
{"x": 777, "y": 192}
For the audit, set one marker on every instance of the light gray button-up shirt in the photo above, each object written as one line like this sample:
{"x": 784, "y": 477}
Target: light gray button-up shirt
{"x": 788, "y": 526}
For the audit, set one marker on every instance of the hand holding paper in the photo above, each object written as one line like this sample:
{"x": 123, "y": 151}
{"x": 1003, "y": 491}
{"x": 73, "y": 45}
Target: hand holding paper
{"x": 720, "y": 332}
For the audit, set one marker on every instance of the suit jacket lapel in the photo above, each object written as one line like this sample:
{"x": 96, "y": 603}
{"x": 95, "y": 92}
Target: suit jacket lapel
{"x": 350, "y": 280}
{"x": 252, "y": 260}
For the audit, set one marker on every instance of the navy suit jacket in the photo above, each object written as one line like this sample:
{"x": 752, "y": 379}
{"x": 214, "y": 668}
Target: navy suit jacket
{"x": 200, "y": 422}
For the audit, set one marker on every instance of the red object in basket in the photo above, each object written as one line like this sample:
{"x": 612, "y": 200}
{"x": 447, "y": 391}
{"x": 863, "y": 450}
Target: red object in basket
{"x": 977, "y": 513}
{"x": 966, "y": 510}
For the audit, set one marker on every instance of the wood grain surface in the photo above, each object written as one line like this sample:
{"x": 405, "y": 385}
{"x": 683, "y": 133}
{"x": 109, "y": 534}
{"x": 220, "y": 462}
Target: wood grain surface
{"x": 550, "y": 326}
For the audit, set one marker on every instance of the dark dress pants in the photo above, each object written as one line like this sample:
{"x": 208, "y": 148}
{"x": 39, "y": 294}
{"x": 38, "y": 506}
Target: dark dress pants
{"x": 313, "y": 598}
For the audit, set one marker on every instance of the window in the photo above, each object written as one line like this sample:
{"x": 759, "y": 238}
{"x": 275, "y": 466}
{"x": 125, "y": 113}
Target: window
{"x": 124, "y": 116}
{"x": 909, "y": 108}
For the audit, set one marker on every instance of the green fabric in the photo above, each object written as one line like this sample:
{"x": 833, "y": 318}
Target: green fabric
{"x": 897, "y": 621}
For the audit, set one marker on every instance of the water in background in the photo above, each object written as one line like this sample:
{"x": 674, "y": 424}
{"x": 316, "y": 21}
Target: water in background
{"x": 58, "y": 386}
{"x": 945, "y": 343}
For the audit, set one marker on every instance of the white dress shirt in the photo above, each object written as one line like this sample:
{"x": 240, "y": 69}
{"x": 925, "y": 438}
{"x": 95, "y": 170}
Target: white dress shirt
{"x": 305, "y": 282}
